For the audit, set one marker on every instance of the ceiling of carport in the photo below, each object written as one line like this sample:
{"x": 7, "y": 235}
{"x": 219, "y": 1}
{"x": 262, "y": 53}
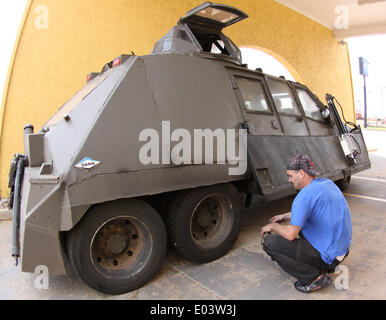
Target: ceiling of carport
{"x": 347, "y": 18}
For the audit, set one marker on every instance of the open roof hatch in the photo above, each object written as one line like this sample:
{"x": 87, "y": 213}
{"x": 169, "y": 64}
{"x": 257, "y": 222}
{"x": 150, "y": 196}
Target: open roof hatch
{"x": 200, "y": 32}
{"x": 214, "y": 15}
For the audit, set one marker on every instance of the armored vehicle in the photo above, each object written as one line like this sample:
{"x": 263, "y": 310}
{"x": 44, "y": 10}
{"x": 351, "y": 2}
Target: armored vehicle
{"x": 113, "y": 175}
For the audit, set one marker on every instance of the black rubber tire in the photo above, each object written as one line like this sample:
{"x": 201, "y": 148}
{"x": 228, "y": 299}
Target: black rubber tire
{"x": 81, "y": 237}
{"x": 180, "y": 217}
{"x": 343, "y": 183}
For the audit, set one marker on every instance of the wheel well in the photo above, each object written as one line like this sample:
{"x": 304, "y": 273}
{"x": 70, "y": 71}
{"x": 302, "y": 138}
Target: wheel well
{"x": 247, "y": 188}
{"x": 159, "y": 202}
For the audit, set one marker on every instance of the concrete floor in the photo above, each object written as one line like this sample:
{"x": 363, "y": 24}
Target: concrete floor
{"x": 246, "y": 272}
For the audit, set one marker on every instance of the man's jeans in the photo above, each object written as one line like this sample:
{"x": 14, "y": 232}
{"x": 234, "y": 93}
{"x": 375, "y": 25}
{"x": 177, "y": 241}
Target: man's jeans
{"x": 298, "y": 257}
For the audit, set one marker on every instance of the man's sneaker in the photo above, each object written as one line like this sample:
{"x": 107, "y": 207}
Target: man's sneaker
{"x": 320, "y": 282}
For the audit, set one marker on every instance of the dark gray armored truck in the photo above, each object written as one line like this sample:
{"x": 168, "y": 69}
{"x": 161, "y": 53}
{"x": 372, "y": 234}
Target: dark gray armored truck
{"x": 167, "y": 147}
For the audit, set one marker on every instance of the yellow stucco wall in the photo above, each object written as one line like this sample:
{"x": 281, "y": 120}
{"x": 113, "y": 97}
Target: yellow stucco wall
{"x": 50, "y": 65}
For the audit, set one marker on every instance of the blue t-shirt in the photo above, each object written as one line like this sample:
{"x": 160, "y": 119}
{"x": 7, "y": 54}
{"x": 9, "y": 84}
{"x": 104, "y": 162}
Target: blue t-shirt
{"x": 323, "y": 213}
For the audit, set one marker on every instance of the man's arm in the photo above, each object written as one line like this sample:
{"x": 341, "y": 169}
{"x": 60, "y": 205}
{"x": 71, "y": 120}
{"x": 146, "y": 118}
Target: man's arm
{"x": 281, "y": 218}
{"x": 289, "y": 232}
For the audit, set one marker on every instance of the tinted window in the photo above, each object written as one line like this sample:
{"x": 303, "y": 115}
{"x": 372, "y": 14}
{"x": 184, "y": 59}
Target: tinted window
{"x": 283, "y": 98}
{"x": 217, "y": 15}
{"x": 253, "y": 95}
{"x": 310, "y": 107}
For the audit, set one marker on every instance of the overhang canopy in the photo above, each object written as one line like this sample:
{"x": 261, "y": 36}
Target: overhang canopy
{"x": 347, "y": 18}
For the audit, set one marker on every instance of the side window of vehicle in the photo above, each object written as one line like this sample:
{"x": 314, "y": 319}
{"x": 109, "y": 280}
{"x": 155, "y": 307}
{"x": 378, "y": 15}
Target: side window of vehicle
{"x": 283, "y": 98}
{"x": 253, "y": 95}
{"x": 310, "y": 107}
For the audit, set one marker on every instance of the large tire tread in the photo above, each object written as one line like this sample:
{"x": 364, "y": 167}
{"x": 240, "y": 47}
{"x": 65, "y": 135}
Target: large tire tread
{"x": 177, "y": 218}
{"x": 98, "y": 214}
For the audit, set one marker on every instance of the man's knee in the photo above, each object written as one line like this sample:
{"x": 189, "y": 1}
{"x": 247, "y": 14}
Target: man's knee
{"x": 270, "y": 243}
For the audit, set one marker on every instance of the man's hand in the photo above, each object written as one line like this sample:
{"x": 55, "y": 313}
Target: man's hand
{"x": 281, "y": 218}
{"x": 289, "y": 232}
{"x": 266, "y": 229}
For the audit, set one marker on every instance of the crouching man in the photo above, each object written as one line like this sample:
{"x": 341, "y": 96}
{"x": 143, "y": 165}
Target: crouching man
{"x": 318, "y": 236}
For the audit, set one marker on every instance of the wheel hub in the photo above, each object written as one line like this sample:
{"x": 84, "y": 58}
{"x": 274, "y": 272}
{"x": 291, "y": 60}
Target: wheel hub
{"x": 116, "y": 245}
{"x": 206, "y": 218}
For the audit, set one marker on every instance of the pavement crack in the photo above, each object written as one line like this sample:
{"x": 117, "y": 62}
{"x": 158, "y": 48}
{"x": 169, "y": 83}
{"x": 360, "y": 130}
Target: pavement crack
{"x": 183, "y": 274}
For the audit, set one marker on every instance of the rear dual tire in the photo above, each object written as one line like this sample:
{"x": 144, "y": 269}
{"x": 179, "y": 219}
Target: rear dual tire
{"x": 119, "y": 246}
{"x": 204, "y": 223}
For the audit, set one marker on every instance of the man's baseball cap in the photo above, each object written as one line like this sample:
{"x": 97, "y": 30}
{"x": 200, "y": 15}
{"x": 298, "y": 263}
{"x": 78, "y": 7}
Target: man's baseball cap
{"x": 303, "y": 161}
